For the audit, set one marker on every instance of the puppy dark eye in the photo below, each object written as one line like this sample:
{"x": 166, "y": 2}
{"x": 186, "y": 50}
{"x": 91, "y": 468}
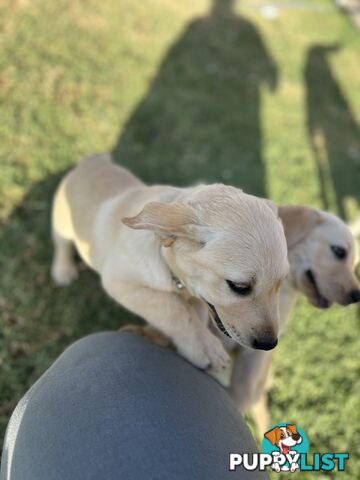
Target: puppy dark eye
{"x": 243, "y": 289}
{"x": 339, "y": 252}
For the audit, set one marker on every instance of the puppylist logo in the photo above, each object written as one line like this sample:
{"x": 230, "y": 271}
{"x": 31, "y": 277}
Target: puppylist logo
{"x": 285, "y": 448}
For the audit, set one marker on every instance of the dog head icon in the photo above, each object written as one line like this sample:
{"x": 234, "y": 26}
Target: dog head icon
{"x": 284, "y": 437}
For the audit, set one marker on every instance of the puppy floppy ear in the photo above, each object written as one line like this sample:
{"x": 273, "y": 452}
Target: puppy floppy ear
{"x": 167, "y": 220}
{"x": 298, "y": 221}
{"x": 273, "y": 435}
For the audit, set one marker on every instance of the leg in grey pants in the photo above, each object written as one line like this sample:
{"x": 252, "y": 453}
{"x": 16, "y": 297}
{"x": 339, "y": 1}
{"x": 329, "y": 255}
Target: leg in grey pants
{"x": 116, "y": 406}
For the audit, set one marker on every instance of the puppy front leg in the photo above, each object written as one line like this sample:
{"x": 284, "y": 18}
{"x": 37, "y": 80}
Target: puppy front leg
{"x": 63, "y": 269}
{"x": 248, "y": 384}
{"x": 261, "y": 413}
{"x": 216, "y": 348}
{"x": 175, "y": 318}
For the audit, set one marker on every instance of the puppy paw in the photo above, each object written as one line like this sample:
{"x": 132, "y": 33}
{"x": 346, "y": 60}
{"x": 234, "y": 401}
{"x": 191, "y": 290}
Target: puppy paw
{"x": 219, "y": 358}
{"x": 195, "y": 355}
{"x": 63, "y": 275}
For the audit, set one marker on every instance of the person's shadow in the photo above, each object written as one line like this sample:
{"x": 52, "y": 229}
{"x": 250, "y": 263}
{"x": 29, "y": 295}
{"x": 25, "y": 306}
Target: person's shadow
{"x": 199, "y": 120}
{"x": 333, "y": 132}
{"x": 201, "y": 117}
{"x": 38, "y": 320}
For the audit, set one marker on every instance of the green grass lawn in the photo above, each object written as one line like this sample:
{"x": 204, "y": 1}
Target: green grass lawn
{"x": 180, "y": 91}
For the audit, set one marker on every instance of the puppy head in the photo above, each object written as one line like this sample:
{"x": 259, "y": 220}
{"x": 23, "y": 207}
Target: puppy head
{"x": 229, "y": 249}
{"x": 322, "y": 256}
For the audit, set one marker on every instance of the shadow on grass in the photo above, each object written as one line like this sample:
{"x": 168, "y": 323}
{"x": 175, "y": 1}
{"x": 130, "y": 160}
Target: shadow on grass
{"x": 199, "y": 120}
{"x": 38, "y": 320}
{"x": 333, "y": 132}
{"x": 201, "y": 117}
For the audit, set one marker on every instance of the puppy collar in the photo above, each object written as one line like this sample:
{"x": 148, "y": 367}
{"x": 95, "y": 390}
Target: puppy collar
{"x": 177, "y": 282}
{"x": 180, "y": 287}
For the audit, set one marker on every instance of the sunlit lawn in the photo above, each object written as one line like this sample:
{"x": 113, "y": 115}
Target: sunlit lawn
{"x": 181, "y": 92}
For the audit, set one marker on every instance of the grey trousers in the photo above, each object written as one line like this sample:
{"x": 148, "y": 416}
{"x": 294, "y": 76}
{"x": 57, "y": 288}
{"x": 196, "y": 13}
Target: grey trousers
{"x": 116, "y": 406}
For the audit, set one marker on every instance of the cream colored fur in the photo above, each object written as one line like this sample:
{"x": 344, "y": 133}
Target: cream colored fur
{"x": 310, "y": 234}
{"x": 139, "y": 237}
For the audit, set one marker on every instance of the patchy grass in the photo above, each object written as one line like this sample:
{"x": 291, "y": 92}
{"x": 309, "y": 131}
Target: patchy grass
{"x": 180, "y": 92}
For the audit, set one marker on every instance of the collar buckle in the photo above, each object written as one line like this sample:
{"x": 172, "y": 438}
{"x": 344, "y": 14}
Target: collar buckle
{"x": 178, "y": 284}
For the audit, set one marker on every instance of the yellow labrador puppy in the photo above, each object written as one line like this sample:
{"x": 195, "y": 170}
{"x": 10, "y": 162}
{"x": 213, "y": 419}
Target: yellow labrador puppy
{"x": 322, "y": 254}
{"x": 170, "y": 254}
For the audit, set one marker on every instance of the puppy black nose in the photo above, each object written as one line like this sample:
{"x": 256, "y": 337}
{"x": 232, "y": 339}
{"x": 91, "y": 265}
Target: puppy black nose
{"x": 354, "y": 296}
{"x": 264, "y": 345}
